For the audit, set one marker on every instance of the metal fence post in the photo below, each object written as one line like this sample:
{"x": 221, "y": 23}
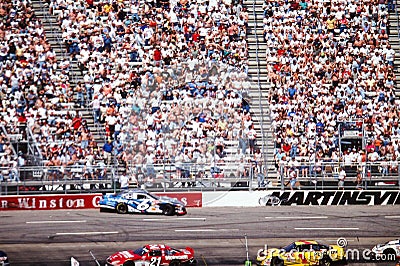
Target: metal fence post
{"x": 398, "y": 173}
{"x": 251, "y": 175}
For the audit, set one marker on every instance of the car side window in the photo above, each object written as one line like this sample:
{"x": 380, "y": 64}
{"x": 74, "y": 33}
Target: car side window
{"x": 315, "y": 247}
{"x": 140, "y": 196}
{"x": 290, "y": 247}
{"x": 304, "y": 248}
{"x": 170, "y": 252}
{"x": 155, "y": 253}
{"x": 320, "y": 247}
{"x": 129, "y": 196}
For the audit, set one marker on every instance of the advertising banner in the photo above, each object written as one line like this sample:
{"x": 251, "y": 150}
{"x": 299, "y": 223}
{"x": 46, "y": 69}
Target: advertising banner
{"x": 292, "y": 198}
{"x": 49, "y": 202}
{"x": 365, "y": 197}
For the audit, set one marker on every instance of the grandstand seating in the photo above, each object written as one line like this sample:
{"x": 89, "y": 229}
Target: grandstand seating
{"x": 38, "y": 122}
{"x": 167, "y": 84}
{"x": 112, "y": 50}
{"x": 329, "y": 67}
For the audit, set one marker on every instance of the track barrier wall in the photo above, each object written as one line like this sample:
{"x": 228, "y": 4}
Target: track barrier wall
{"x": 293, "y": 198}
{"x": 213, "y": 199}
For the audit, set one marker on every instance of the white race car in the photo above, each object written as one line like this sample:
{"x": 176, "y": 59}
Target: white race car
{"x": 390, "y": 251}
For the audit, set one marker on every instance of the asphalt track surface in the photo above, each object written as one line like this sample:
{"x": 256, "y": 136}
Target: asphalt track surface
{"x": 217, "y": 234}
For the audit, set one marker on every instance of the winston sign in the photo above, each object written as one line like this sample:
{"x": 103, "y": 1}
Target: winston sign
{"x": 50, "y": 202}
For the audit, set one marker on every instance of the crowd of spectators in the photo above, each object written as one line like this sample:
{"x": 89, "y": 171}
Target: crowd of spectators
{"x": 167, "y": 79}
{"x": 331, "y": 62}
{"x": 35, "y": 94}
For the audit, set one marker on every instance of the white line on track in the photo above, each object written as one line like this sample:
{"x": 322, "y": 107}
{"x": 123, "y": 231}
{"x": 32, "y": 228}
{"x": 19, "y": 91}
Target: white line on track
{"x": 297, "y": 217}
{"x": 192, "y": 218}
{"x": 168, "y": 219}
{"x": 327, "y": 228}
{"x": 205, "y": 230}
{"x": 392, "y": 217}
{"x": 55, "y": 222}
{"x": 335, "y": 240}
{"x": 87, "y": 233}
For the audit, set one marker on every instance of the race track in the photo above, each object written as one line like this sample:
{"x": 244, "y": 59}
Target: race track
{"x": 217, "y": 234}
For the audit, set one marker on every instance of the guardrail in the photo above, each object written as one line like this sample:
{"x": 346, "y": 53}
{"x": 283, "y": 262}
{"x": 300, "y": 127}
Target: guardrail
{"x": 188, "y": 170}
{"x": 194, "y": 177}
{"x": 398, "y": 21}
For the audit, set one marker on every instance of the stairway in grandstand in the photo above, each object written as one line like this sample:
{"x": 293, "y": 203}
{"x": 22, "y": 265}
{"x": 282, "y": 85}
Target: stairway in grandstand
{"x": 54, "y": 36}
{"x": 394, "y": 39}
{"x": 259, "y": 91}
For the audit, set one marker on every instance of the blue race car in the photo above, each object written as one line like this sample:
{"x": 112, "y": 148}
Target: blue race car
{"x": 141, "y": 201}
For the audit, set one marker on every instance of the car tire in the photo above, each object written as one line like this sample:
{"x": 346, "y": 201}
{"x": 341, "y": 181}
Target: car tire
{"x": 325, "y": 261}
{"x": 276, "y": 262}
{"x": 122, "y": 208}
{"x": 343, "y": 262}
{"x": 168, "y": 210}
{"x": 175, "y": 263}
{"x": 129, "y": 263}
{"x": 390, "y": 254}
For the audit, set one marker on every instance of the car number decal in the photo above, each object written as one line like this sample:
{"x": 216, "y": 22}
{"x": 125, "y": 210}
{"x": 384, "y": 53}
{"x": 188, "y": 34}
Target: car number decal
{"x": 144, "y": 205}
{"x": 154, "y": 261}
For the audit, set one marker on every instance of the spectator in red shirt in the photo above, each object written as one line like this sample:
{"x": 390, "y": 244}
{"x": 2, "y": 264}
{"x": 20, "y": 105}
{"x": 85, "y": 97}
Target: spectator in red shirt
{"x": 343, "y": 23}
{"x": 195, "y": 36}
{"x": 294, "y": 5}
{"x": 90, "y": 3}
{"x": 76, "y": 122}
{"x": 286, "y": 148}
{"x": 157, "y": 56}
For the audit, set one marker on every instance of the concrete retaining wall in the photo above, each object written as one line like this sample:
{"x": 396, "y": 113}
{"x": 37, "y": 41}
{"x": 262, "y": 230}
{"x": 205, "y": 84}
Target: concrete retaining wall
{"x": 290, "y": 198}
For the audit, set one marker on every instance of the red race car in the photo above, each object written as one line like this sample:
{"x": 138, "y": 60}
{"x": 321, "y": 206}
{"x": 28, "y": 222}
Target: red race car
{"x": 153, "y": 255}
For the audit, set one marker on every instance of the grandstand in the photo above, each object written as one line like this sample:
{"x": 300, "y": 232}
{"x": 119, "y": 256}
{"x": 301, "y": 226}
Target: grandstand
{"x": 181, "y": 94}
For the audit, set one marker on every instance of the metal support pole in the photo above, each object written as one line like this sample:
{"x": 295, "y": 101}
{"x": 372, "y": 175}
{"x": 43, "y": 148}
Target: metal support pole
{"x": 398, "y": 174}
{"x": 247, "y": 262}
{"x": 251, "y": 175}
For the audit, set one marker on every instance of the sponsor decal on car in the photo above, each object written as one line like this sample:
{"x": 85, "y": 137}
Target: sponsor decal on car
{"x": 179, "y": 257}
